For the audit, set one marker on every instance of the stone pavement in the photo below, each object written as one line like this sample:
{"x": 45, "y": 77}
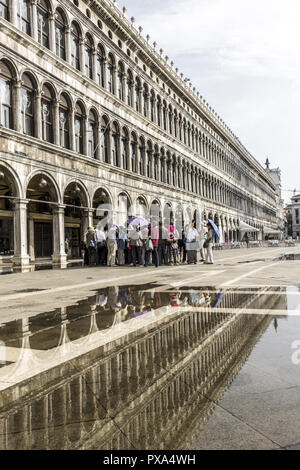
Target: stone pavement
{"x": 205, "y": 349}
{"x": 45, "y": 290}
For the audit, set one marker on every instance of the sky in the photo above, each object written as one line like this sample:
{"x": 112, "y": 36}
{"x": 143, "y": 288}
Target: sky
{"x": 243, "y": 56}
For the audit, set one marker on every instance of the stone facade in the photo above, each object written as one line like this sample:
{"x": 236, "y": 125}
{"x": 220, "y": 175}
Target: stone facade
{"x": 293, "y": 211}
{"x": 92, "y": 114}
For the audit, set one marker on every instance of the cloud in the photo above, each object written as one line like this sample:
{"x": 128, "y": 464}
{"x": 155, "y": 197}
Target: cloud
{"x": 244, "y": 57}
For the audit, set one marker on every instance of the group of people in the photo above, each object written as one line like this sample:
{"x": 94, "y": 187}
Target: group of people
{"x": 136, "y": 245}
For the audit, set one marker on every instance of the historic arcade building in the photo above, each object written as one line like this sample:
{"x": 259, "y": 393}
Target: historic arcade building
{"x": 91, "y": 114}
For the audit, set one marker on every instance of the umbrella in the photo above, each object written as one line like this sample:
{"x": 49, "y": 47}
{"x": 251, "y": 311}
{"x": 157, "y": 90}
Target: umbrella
{"x": 135, "y": 221}
{"x": 215, "y": 228}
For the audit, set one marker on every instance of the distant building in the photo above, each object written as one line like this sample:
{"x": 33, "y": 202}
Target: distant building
{"x": 295, "y": 209}
{"x": 275, "y": 175}
{"x": 288, "y": 220}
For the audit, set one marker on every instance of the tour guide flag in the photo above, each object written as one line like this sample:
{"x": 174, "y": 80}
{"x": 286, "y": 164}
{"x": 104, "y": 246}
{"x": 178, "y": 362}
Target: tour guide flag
{"x": 215, "y": 228}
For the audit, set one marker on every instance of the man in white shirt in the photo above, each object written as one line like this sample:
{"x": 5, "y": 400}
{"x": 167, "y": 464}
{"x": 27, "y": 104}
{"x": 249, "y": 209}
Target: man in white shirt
{"x": 192, "y": 237}
{"x": 101, "y": 245}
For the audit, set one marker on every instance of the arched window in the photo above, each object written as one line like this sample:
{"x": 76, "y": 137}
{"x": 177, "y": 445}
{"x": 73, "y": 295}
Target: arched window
{"x": 115, "y": 145}
{"x": 78, "y": 128}
{"x": 158, "y": 106}
{"x": 165, "y": 116}
{"x": 64, "y": 118}
{"x": 43, "y": 22}
{"x": 104, "y": 139}
{"x": 137, "y": 94}
{"x": 110, "y": 74}
{"x": 141, "y": 157}
{"x": 24, "y": 13}
{"x": 75, "y": 46}
{"x": 129, "y": 88}
{"x": 4, "y": 13}
{"x": 170, "y": 120}
{"x": 92, "y": 134}
{"x": 174, "y": 172}
{"x": 5, "y": 96}
{"x": 161, "y": 176}
{"x": 88, "y": 57}
{"x": 60, "y": 34}
{"x": 184, "y": 131}
{"x": 47, "y": 114}
{"x": 168, "y": 169}
{"x": 120, "y": 81}
{"x": 133, "y": 146}
{"x": 100, "y": 66}
{"x": 180, "y": 127}
{"x": 145, "y": 100}
{"x": 124, "y": 148}
{"x": 175, "y": 124}
{"x": 156, "y": 160}
{"x": 27, "y": 105}
{"x": 152, "y": 106}
{"x": 149, "y": 160}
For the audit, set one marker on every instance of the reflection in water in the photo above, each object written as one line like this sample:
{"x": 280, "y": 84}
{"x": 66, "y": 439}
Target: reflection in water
{"x": 128, "y": 367}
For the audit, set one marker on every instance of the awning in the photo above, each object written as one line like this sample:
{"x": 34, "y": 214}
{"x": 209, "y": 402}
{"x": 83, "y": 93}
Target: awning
{"x": 243, "y": 227}
{"x": 274, "y": 231}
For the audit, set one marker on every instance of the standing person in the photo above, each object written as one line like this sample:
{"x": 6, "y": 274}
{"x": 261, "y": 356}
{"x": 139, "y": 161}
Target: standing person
{"x": 202, "y": 233}
{"x": 111, "y": 242}
{"x": 246, "y": 238}
{"x": 136, "y": 246}
{"x": 101, "y": 245}
{"x": 144, "y": 235}
{"x": 91, "y": 246}
{"x": 182, "y": 247}
{"x": 163, "y": 246}
{"x": 153, "y": 235}
{"x": 122, "y": 245}
{"x": 208, "y": 245}
{"x": 192, "y": 237}
{"x": 173, "y": 244}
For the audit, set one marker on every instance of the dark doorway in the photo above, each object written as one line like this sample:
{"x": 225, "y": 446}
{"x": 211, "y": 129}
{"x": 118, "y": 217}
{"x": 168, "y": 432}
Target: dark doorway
{"x": 43, "y": 240}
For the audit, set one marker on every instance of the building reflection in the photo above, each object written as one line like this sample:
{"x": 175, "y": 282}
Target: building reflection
{"x": 130, "y": 366}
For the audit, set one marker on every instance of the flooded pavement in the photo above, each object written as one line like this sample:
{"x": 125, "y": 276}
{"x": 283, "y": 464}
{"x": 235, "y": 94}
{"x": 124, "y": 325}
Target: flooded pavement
{"x": 155, "y": 367}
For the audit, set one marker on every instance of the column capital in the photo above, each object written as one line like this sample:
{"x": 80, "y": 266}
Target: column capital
{"x": 21, "y": 201}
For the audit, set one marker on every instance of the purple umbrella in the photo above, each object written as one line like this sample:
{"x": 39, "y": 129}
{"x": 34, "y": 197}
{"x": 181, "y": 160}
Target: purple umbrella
{"x": 137, "y": 221}
{"x": 215, "y": 228}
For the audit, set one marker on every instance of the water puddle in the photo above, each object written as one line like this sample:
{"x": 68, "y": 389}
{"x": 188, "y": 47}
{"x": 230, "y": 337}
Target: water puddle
{"x": 145, "y": 367}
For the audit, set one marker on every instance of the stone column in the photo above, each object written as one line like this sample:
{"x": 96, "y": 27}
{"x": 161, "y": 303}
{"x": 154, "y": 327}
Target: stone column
{"x": 16, "y": 100}
{"x": 98, "y": 143}
{"x": 114, "y": 80}
{"x": 38, "y": 115}
{"x": 21, "y": 258}
{"x": 85, "y": 135}
{"x": 72, "y": 129}
{"x": 87, "y": 221}
{"x": 68, "y": 44}
{"x": 33, "y": 20}
{"x": 81, "y": 56}
{"x": 31, "y": 239}
{"x": 56, "y": 124}
{"x": 14, "y": 13}
{"x": 59, "y": 257}
{"x": 94, "y": 64}
{"x": 105, "y": 73}
{"x": 52, "y": 44}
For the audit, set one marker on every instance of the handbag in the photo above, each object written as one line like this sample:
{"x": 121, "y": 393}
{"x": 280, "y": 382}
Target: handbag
{"x": 205, "y": 244}
{"x": 149, "y": 245}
